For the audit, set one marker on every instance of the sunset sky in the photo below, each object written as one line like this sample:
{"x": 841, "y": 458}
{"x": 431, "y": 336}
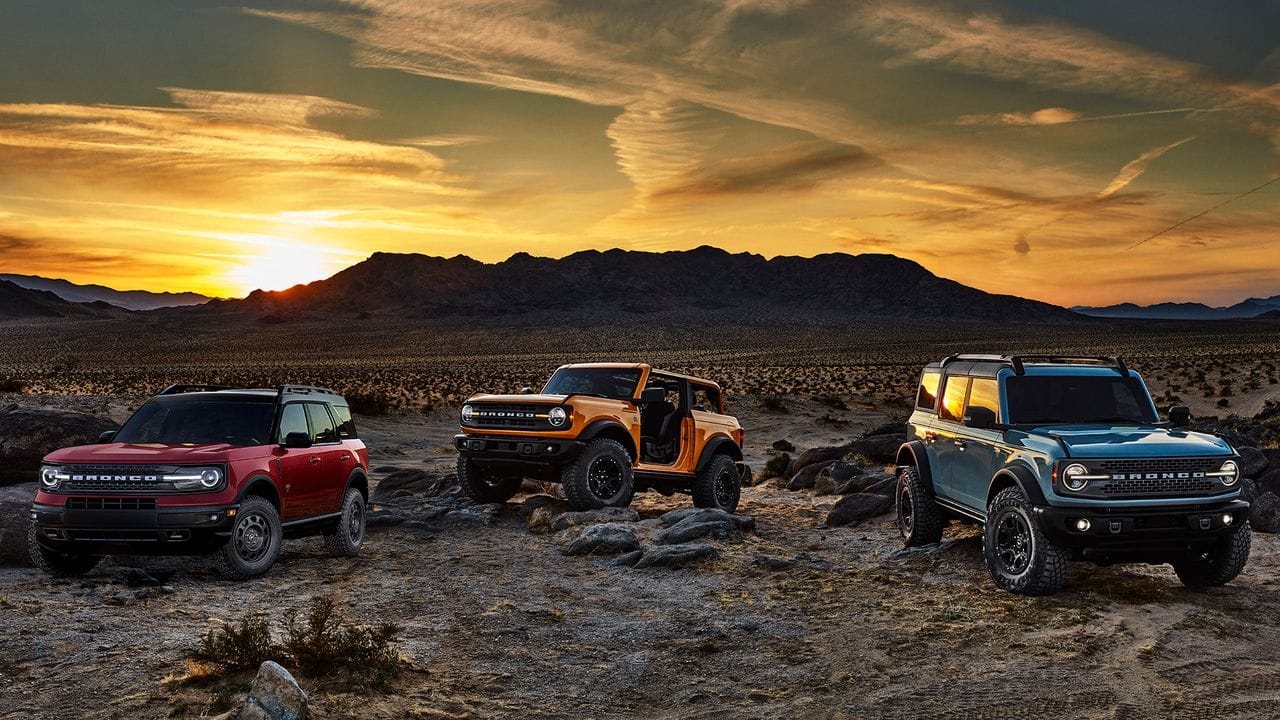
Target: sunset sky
{"x": 1019, "y": 147}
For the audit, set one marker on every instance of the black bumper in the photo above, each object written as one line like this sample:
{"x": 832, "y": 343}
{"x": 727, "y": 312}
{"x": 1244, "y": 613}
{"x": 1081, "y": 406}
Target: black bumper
{"x": 518, "y": 449}
{"x": 1146, "y": 529}
{"x": 158, "y": 531}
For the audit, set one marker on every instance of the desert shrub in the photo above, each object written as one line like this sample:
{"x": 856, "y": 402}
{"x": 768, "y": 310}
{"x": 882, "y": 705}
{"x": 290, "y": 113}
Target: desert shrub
{"x": 239, "y": 646}
{"x": 368, "y": 404}
{"x": 322, "y": 641}
{"x": 835, "y": 402}
{"x": 12, "y": 386}
{"x": 773, "y": 403}
{"x": 319, "y": 643}
{"x": 775, "y": 466}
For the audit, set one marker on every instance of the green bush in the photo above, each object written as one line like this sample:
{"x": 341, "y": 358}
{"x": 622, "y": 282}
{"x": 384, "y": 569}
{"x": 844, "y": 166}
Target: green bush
{"x": 239, "y": 646}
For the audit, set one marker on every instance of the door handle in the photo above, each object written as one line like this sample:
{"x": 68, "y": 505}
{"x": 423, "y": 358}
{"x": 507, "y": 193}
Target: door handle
{"x": 344, "y": 457}
{"x": 959, "y": 443}
{"x": 314, "y": 459}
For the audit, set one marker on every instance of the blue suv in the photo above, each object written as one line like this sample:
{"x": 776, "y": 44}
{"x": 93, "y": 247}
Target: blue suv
{"x": 1064, "y": 458}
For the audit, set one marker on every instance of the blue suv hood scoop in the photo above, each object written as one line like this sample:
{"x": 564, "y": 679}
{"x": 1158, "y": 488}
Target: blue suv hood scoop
{"x": 1085, "y": 441}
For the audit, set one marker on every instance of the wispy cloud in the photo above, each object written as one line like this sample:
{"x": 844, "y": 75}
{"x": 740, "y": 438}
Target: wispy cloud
{"x": 1044, "y": 116}
{"x": 1135, "y": 168}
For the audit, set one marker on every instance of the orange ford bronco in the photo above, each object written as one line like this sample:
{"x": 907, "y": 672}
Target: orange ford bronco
{"x": 604, "y": 431}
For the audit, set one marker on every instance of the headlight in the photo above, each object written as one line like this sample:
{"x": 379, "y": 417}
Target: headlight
{"x": 194, "y": 478}
{"x": 1072, "y": 477}
{"x": 51, "y": 476}
{"x": 1229, "y": 473}
{"x": 468, "y": 414}
{"x": 556, "y": 416}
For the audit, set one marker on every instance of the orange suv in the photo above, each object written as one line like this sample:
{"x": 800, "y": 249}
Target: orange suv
{"x": 605, "y": 431}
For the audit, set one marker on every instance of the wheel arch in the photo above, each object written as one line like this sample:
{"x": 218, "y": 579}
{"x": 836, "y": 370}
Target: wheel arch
{"x": 358, "y": 480}
{"x": 1017, "y": 475}
{"x": 913, "y": 454}
{"x": 612, "y": 430}
{"x": 718, "y": 445}
{"x": 260, "y": 486}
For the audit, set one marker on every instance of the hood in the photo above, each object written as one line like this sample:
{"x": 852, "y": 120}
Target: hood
{"x": 545, "y": 399}
{"x": 1087, "y": 441}
{"x": 127, "y": 453}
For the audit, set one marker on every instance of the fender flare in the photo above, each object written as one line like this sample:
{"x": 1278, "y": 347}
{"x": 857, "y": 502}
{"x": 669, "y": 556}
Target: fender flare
{"x": 718, "y": 445}
{"x": 913, "y": 453}
{"x": 260, "y": 480}
{"x": 1020, "y": 475}
{"x": 613, "y": 427}
{"x": 359, "y": 476}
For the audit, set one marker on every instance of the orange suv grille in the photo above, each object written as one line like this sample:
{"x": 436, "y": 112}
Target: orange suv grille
{"x": 494, "y": 415}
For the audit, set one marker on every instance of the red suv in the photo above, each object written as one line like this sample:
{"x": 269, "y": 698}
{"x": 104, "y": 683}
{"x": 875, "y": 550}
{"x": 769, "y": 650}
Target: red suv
{"x": 203, "y": 468}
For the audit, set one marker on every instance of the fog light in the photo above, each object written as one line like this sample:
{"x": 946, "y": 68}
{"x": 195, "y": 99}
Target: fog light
{"x": 1083, "y": 525}
{"x": 551, "y": 448}
{"x": 1227, "y": 519}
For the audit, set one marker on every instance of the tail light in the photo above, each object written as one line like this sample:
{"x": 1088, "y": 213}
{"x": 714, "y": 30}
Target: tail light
{"x": 742, "y": 437}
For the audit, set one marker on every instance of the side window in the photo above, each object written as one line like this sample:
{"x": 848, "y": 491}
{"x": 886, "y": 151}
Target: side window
{"x": 292, "y": 420}
{"x": 346, "y": 426}
{"x": 985, "y": 393}
{"x": 927, "y": 394}
{"x": 953, "y": 398}
{"x": 322, "y": 427}
{"x": 670, "y": 385}
{"x": 706, "y": 399}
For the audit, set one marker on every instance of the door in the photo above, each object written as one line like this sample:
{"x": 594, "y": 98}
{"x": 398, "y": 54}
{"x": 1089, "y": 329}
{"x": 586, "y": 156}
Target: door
{"x": 334, "y": 459}
{"x": 948, "y": 435}
{"x": 300, "y": 470}
{"x": 974, "y": 462}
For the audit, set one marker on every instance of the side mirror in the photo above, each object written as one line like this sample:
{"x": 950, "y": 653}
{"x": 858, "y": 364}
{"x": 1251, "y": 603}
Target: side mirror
{"x": 106, "y": 436}
{"x": 1180, "y": 416}
{"x": 980, "y": 418}
{"x": 652, "y": 395}
{"x": 297, "y": 440}
{"x": 526, "y": 390}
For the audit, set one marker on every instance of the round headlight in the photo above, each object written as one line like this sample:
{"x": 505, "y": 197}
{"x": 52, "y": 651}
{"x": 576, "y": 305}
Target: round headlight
{"x": 468, "y": 413}
{"x": 1230, "y": 473}
{"x": 1071, "y": 477}
{"x": 210, "y": 477}
{"x": 49, "y": 475}
{"x": 556, "y": 416}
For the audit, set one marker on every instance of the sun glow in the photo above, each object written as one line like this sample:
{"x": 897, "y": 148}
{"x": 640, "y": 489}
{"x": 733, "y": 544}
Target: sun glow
{"x": 283, "y": 265}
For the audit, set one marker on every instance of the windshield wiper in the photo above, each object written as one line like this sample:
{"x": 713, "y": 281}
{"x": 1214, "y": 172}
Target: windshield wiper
{"x": 1117, "y": 418}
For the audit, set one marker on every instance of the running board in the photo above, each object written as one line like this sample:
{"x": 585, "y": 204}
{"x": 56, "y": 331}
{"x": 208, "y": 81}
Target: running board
{"x": 961, "y": 510}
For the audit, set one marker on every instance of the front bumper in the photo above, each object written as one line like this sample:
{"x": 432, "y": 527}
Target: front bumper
{"x": 1140, "y": 529}
{"x": 154, "y": 531}
{"x": 517, "y": 449}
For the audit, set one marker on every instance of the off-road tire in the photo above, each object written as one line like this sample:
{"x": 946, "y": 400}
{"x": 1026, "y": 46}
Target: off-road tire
{"x": 1220, "y": 564}
{"x": 599, "y": 455}
{"x": 485, "y": 486}
{"x": 56, "y": 564}
{"x": 920, "y": 519}
{"x": 254, "y": 545}
{"x": 347, "y": 536}
{"x": 718, "y": 485}
{"x": 1034, "y": 567}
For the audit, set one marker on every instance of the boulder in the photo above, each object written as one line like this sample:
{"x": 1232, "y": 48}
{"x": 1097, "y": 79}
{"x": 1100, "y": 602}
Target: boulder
{"x": 807, "y": 477}
{"x": 776, "y": 466}
{"x": 675, "y": 556}
{"x": 1252, "y": 462}
{"x": 873, "y": 482}
{"x": 1268, "y": 482}
{"x": 28, "y": 433}
{"x": 604, "y": 539}
{"x": 854, "y": 509}
{"x": 686, "y": 524}
{"x": 897, "y": 429}
{"x": 1264, "y": 515}
{"x": 880, "y": 449}
{"x": 15, "y": 517}
{"x": 274, "y": 695}
{"x": 695, "y": 514}
{"x": 783, "y": 446}
{"x": 552, "y": 519}
{"x": 815, "y": 456}
{"x": 837, "y": 475}
{"x": 414, "y": 482}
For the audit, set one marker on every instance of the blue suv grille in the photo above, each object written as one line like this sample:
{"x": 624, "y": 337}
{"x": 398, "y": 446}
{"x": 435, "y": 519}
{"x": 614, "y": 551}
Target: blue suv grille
{"x": 1155, "y": 477}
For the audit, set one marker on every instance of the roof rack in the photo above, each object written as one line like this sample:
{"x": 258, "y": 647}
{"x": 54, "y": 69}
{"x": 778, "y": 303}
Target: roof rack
{"x": 1017, "y": 362}
{"x": 303, "y": 390}
{"x": 179, "y": 389}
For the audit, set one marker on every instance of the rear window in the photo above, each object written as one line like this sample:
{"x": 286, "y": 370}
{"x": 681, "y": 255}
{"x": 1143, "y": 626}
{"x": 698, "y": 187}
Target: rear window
{"x": 1049, "y": 399}
{"x": 953, "y": 398}
{"x": 346, "y": 426}
{"x": 927, "y": 393}
{"x": 706, "y": 398}
{"x": 322, "y": 427}
{"x": 985, "y": 393}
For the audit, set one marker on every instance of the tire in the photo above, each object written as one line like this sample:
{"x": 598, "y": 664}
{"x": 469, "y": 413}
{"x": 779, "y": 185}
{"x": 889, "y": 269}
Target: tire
{"x": 484, "y": 485}
{"x": 1220, "y": 564}
{"x": 602, "y": 476}
{"x": 718, "y": 485}
{"x": 56, "y": 564}
{"x": 919, "y": 517}
{"x": 1019, "y": 557}
{"x": 347, "y": 537}
{"x": 256, "y": 537}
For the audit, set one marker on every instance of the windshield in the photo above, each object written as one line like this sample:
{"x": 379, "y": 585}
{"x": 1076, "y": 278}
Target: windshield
{"x": 238, "y": 421}
{"x": 616, "y": 383}
{"x": 1046, "y": 399}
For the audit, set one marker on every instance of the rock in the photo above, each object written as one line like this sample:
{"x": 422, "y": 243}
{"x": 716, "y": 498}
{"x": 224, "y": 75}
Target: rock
{"x": 747, "y": 478}
{"x": 1252, "y": 462}
{"x": 139, "y": 578}
{"x": 552, "y": 520}
{"x": 898, "y": 430}
{"x": 629, "y": 559}
{"x": 861, "y": 483}
{"x": 15, "y": 519}
{"x": 815, "y": 456}
{"x": 675, "y": 556}
{"x": 681, "y": 526}
{"x": 274, "y": 695}
{"x": 1248, "y": 491}
{"x": 1269, "y": 482}
{"x": 1239, "y": 439}
{"x": 853, "y": 509}
{"x": 686, "y": 531}
{"x": 28, "y": 433}
{"x": 604, "y": 539}
{"x": 383, "y": 519}
{"x": 695, "y": 514}
{"x": 118, "y": 599}
{"x": 880, "y": 449}
{"x": 1264, "y": 515}
{"x": 776, "y": 466}
{"x": 807, "y": 477}
{"x": 783, "y": 446}
{"x": 415, "y": 482}
{"x": 839, "y": 474}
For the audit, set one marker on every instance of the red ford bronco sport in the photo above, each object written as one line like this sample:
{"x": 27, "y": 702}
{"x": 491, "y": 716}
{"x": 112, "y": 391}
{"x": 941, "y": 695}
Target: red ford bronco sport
{"x": 202, "y": 468}
{"x": 605, "y": 431}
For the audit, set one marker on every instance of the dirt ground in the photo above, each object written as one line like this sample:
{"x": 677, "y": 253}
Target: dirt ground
{"x": 795, "y": 620}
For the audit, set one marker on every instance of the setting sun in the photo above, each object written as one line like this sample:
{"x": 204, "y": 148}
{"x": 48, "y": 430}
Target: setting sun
{"x": 282, "y": 264}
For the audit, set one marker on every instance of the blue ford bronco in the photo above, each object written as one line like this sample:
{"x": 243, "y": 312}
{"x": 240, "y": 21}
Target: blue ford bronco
{"x": 1065, "y": 458}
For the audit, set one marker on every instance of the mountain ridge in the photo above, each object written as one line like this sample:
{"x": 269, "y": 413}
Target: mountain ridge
{"x": 89, "y": 293}
{"x": 1243, "y": 310}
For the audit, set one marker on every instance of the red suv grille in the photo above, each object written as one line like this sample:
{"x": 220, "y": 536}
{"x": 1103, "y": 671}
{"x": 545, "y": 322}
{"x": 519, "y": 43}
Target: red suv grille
{"x": 97, "y": 503}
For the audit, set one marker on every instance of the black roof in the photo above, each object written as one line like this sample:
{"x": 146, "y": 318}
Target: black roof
{"x": 281, "y": 392}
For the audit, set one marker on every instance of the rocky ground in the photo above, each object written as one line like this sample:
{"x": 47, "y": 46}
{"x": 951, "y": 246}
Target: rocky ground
{"x": 527, "y": 610}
